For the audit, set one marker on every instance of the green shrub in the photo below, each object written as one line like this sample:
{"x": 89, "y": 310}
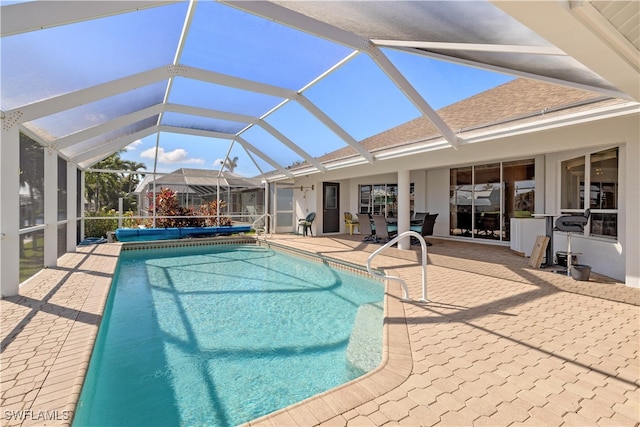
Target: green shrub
{"x": 100, "y": 227}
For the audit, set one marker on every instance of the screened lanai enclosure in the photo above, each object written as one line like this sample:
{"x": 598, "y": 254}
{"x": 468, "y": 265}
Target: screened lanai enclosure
{"x": 243, "y": 197}
{"x": 106, "y": 104}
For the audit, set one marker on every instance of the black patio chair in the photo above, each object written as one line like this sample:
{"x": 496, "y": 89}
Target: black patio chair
{"x": 571, "y": 224}
{"x": 306, "y": 224}
{"x": 428, "y": 223}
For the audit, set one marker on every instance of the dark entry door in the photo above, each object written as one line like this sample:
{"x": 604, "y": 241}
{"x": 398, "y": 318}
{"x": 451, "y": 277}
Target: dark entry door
{"x": 331, "y": 207}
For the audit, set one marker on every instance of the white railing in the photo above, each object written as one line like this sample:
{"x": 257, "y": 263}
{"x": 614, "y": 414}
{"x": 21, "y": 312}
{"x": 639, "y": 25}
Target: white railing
{"x": 423, "y": 244}
{"x": 264, "y": 229}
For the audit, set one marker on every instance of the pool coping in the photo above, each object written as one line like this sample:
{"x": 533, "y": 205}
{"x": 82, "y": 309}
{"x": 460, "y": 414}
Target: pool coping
{"x": 51, "y": 397}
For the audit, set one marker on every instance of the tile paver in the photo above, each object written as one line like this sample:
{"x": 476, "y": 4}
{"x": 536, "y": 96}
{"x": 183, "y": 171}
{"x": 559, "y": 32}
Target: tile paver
{"x": 498, "y": 343}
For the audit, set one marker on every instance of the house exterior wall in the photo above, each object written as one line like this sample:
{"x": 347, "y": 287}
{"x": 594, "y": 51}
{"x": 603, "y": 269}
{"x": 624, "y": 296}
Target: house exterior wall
{"x": 420, "y": 181}
{"x": 430, "y": 174}
{"x": 438, "y": 199}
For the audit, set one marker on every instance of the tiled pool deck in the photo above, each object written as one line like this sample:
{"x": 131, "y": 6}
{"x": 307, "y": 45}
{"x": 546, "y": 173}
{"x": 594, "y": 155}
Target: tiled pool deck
{"x": 498, "y": 343}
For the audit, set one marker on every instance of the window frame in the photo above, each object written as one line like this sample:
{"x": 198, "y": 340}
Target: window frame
{"x": 586, "y": 202}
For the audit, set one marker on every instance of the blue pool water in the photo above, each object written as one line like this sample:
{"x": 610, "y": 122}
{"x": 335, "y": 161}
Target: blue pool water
{"x": 220, "y": 335}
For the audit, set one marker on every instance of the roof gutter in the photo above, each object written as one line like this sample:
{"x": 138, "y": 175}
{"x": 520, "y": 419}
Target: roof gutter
{"x": 439, "y": 143}
{"x": 536, "y": 113}
{"x": 553, "y": 122}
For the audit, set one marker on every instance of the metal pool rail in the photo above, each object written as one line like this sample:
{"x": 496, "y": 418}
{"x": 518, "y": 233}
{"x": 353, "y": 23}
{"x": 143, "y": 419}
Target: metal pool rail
{"x": 405, "y": 290}
{"x": 264, "y": 228}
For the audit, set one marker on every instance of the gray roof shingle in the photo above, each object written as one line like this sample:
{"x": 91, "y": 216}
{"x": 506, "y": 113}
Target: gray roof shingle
{"x": 523, "y": 100}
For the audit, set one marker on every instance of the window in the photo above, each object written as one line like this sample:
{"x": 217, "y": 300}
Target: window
{"x": 599, "y": 173}
{"x": 381, "y": 199}
{"x": 62, "y": 189}
{"x": 461, "y": 201}
{"x": 484, "y": 198}
{"x": 31, "y": 182}
{"x": 573, "y": 176}
{"x": 31, "y": 206}
{"x": 365, "y": 199}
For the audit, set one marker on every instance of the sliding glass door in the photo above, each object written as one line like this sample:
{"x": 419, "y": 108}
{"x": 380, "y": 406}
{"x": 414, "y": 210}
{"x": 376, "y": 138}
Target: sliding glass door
{"x": 483, "y": 198}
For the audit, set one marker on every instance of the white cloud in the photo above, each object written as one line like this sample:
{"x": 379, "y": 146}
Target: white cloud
{"x": 179, "y": 155}
{"x": 134, "y": 145}
{"x": 218, "y": 162}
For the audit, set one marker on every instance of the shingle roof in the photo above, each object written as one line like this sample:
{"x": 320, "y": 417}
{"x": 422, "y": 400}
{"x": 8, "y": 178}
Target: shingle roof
{"x": 188, "y": 177}
{"x": 518, "y": 100}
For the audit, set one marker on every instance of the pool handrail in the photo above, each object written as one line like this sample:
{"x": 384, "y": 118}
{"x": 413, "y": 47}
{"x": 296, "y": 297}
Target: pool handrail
{"x": 266, "y": 227}
{"x": 423, "y": 244}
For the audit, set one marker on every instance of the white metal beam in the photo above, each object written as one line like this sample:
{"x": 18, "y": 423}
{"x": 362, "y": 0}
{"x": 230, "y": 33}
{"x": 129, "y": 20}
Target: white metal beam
{"x": 88, "y": 163}
{"x": 407, "y": 88}
{"x": 518, "y": 73}
{"x": 475, "y": 47}
{"x": 304, "y": 23}
{"x": 67, "y": 101}
{"x": 56, "y": 104}
{"x": 196, "y": 132}
{"x": 250, "y": 155}
{"x": 236, "y": 82}
{"x": 249, "y": 147}
{"x": 297, "y": 20}
{"x": 294, "y": 147}
{"x": 328, "y": 122}
{"x": 115, "y": 124}
{"x": 126, "y": 120}
{"x": 33, "y": 16}
{"x": 571, "y": 27}
{"x": 214, "y": 114}
{"x": 50, "y": 207}
{"x": 72, "y": 206}
{"x": 113, "y": 146}
{"x": 10, "y": 211}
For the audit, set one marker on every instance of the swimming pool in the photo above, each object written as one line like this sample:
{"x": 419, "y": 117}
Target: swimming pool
{"x": 220, "y": 335}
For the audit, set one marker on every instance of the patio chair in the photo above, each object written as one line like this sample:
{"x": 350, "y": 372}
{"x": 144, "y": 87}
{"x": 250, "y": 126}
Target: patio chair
{"x": 428, "y": 223}
{"x": 418, "y": 217}
{"x": 306, "y": 224}
{"x": 365, "y": 228}
{"x": 571, "y": 224}
{"x": 382, "y": 231}
{"x": 350, "y": 222}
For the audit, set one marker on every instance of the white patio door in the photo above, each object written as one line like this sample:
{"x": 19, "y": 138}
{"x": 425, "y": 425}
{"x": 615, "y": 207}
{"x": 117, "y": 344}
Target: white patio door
{"x": 283, "y": 209}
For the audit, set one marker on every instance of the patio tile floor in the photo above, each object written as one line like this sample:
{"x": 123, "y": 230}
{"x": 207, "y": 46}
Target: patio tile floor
{"x": 498, "y": 343}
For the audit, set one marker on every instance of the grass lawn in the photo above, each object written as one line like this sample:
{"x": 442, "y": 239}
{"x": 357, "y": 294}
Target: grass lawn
{"x": 31, "y": 256}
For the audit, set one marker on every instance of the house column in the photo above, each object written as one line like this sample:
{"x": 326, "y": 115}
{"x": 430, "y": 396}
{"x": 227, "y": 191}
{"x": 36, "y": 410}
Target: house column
{"x": 83, "y": 203}
{"x": 631, "y": 207}
{"x": 50, "y": 207}
{"x": 267, "y": 207}
{"x": 9, "y": 209}
{"x": 540, "y": 174}
{"x": 72, "y": 207}
{"x": 404, "y": 207}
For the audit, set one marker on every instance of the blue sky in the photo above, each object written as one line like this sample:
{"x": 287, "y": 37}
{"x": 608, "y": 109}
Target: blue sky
{"x": 358, "y": 95}
{"x": 346, "y": 97}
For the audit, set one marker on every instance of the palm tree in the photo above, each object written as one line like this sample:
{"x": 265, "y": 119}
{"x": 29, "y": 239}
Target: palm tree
{"x": 104, "y": 189}
{"x": 131, "y": 181}
{"x": 231, "y": 164}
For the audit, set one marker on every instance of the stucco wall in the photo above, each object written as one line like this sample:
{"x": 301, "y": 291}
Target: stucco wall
{"x": 430, "y": 173}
